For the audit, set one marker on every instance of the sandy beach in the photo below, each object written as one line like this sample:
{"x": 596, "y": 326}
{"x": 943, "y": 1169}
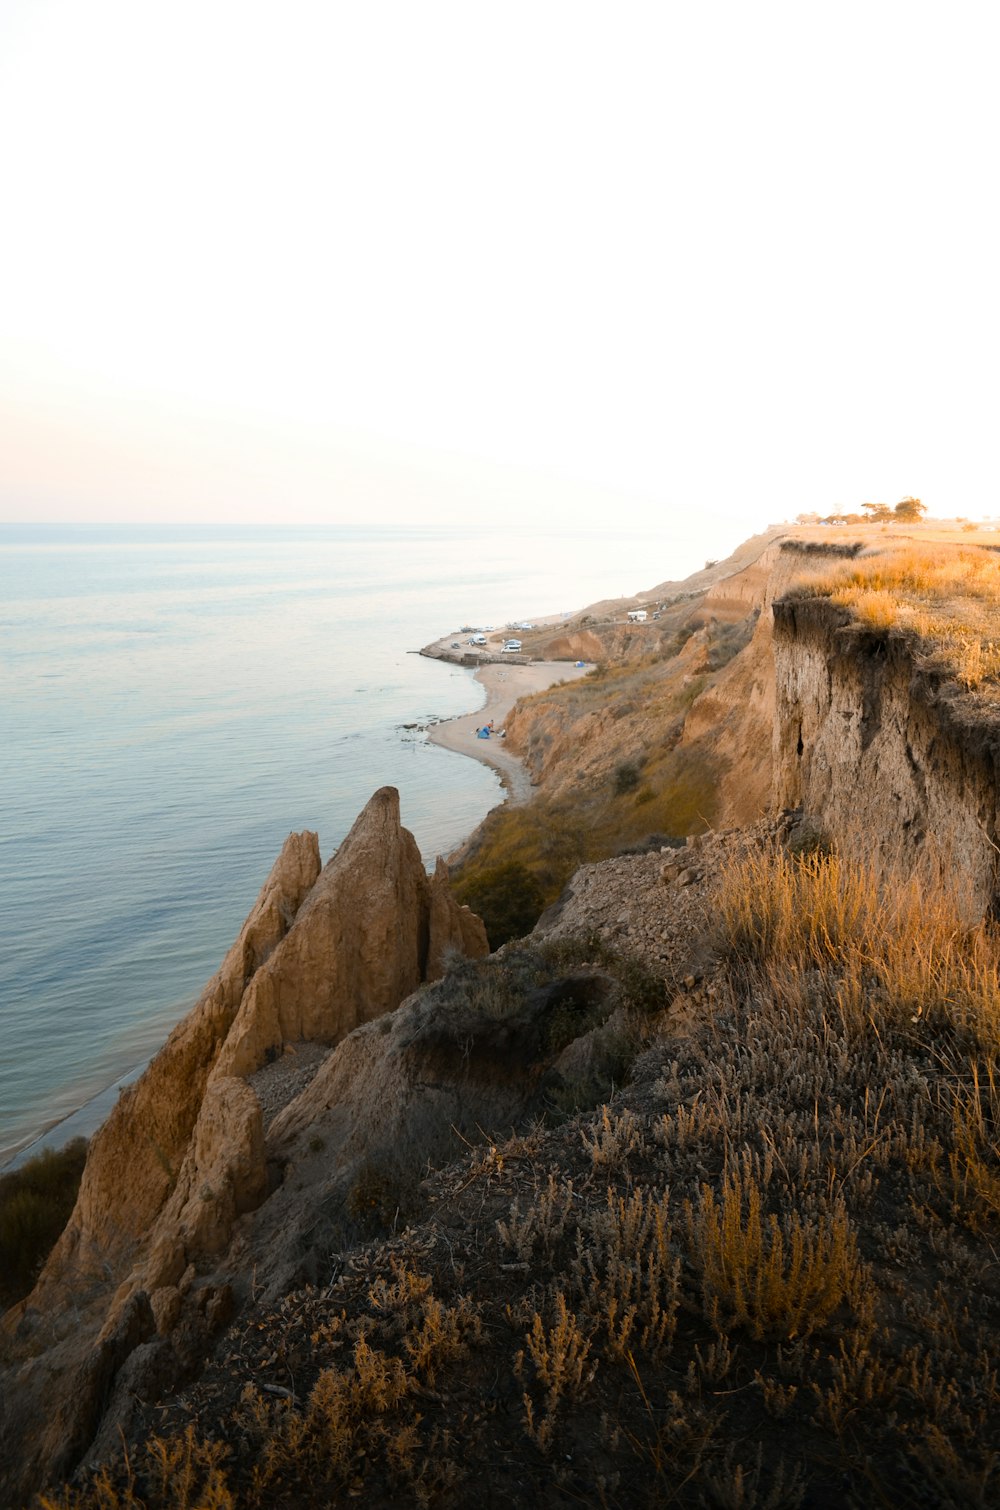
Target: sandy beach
{"x": 503, "y": 684}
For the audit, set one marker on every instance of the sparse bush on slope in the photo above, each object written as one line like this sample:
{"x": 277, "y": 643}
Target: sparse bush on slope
{"x": 35, "y": 1204}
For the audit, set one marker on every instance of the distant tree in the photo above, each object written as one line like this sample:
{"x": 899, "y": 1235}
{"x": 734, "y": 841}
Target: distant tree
{"x": 910, "y": 509}
{"x": 878, "y": 513}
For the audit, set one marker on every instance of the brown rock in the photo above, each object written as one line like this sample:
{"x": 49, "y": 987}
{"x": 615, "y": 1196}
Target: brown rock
{"x": 224, "y": 1173}
{"x": 372, "y": 930}
{"x": 451, "y": 926}
{"x": 135, "y": 1158}
{"x": 166, "y": 1306}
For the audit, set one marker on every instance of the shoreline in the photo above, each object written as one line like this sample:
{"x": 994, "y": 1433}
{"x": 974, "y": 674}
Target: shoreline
{"x": 504, "y": 684}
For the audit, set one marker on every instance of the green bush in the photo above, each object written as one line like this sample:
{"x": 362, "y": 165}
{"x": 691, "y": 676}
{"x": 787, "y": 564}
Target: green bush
{"x": 35, "y": 1204}
{"x": 507, "y": 897}
{"x": 627, "y": 776}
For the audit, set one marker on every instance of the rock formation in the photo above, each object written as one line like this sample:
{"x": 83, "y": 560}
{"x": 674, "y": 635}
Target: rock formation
{"x": 182, "y": 1156}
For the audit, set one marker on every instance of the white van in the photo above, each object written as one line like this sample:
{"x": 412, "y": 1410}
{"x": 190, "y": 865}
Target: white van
{"x": 514, "y": 645}
{"x": 478, "y": 639}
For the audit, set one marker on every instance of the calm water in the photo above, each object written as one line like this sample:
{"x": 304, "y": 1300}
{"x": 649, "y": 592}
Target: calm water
{"x": 173, "y": 703}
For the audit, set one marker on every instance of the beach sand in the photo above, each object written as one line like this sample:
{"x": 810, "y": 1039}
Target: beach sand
{"x": 504, "y": 684}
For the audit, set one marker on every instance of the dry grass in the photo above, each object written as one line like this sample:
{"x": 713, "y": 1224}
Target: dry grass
{"x": 763, "y": 1274}
{"x": 949, "y": 597}
{"x": 974, "y": 1163}
{"x": 890, "y": 946}
{"x": 776, "y": 1275}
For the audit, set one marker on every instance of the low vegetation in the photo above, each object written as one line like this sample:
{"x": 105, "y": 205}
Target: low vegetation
{"x": 524, "y": 856}
{"x": 35, "y": 1203}
{"x": 762, "y": 1274}
{"x": 949, "y": 601}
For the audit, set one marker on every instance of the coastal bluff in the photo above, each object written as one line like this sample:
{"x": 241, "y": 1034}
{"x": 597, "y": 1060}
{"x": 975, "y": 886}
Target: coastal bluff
{"x": 184, "y": 1153}
{"x": 717, "y": 1121}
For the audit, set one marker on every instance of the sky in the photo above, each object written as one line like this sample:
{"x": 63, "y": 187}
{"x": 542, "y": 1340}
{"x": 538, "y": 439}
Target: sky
{"x": 568, "y": 264}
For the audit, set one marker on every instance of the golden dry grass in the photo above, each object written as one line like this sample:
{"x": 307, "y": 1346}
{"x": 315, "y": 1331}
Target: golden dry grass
{"x": 776, "y": 1276}
{"x": 893, "y": 946}
{"x": 948, "y": 596}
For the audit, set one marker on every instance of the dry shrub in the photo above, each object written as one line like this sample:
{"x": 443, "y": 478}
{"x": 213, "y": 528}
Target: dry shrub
{"x": 444, "y": 1335}
{"x": 175, "y": 1473}
{"x": 560, "y": 1354}
{"x": 880, "y": 946}
{"x": 541, "y": 1224}
{"x": 406, "y": 1289}
{"x": 610, "y": 1141}
{"x": 629, "y": 1273}
{"x": 780, "y": 1277}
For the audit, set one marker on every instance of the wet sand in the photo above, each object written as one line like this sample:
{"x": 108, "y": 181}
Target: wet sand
{"x": 504, "y": 684}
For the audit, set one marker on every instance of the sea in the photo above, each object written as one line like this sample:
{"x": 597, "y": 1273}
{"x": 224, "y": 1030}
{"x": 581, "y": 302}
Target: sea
{"x": 173, "y": 702}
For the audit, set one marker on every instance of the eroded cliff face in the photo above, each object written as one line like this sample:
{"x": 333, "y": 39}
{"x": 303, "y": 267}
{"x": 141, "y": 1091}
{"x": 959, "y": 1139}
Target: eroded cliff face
{"x": 877, "y": 747}
{"x": 686, "y": 695}
{"x": 184, "y": 1156}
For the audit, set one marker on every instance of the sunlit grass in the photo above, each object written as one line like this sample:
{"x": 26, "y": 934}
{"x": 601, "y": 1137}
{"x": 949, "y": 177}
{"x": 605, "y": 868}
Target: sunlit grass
{"x": 948, "y": 597}
{"x": 892, "y": 945}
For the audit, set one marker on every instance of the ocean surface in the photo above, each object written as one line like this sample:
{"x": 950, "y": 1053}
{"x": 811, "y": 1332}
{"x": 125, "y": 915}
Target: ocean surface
{"x": 173, "y": 702}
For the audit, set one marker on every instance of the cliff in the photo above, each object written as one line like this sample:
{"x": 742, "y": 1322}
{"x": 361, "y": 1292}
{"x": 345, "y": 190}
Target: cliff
{"x": 884, "y": 751}
{"x": 691, "y": 1196}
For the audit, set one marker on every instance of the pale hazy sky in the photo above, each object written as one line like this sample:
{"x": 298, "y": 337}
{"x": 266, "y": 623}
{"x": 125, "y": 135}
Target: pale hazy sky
{"x": 699, "y": 264}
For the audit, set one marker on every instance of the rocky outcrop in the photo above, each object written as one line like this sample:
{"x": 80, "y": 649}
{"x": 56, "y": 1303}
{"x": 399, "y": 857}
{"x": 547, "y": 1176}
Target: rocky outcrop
{"x": 183, "y": 1156}
{"x": 134, "y": 1159}
{"x": 371, "y": 930}
{"x": 876, "y": 746}
{"x": 577, "y": 645}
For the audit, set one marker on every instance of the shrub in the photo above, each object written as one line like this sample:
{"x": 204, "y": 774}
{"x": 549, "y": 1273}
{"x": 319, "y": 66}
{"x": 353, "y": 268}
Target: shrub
{"x": 35, "y": 1204}
{"x": 626, "y": 777}
{"x": 775, "y": 1277}
{"x": 508, "y": 898}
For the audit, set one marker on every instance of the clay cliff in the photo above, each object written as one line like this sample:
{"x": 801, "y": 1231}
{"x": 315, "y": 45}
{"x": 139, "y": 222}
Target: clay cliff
{"x": 872, "y": 742}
